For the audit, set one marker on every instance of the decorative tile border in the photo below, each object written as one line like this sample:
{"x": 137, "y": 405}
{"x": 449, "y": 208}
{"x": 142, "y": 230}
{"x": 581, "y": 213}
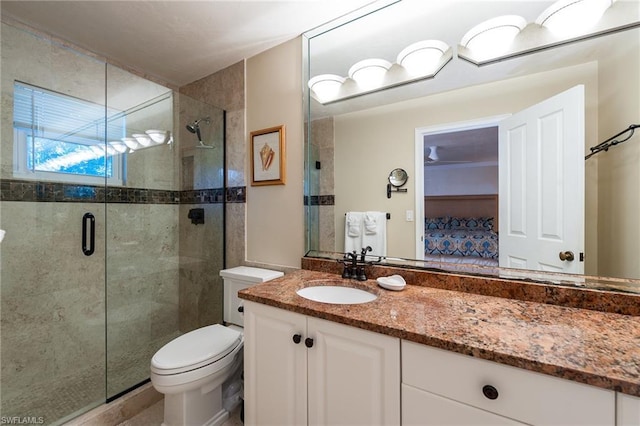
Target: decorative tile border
{"x": 38, "y": 191}
{"x": 320, "y": 200}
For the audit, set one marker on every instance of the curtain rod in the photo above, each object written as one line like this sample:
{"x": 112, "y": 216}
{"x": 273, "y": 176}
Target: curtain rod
{"x": 612, "y": 141}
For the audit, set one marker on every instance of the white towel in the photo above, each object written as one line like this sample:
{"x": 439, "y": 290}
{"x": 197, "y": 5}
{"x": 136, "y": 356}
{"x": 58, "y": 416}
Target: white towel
{"x": 353, "y": 232}
{"x": 378, "y": 239}
{"x": 2, "y": 232}
{"x": 354, "y": 224}
{"x": 370, "y": 223}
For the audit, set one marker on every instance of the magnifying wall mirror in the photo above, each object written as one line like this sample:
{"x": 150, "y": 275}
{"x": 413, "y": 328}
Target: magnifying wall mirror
{"x": 398, "y": 177}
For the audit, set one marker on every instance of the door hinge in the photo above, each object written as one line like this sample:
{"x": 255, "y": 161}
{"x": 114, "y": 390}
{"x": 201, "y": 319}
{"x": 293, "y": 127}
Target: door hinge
{"x": 581, "y": 257}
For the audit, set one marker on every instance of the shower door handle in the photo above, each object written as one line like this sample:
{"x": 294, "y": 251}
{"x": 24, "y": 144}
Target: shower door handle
{"x": 88, "y": 221}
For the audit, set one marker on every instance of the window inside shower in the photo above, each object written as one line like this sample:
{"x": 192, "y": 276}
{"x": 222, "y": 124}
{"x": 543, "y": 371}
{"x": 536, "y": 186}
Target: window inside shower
{"x": 62, "y": 138}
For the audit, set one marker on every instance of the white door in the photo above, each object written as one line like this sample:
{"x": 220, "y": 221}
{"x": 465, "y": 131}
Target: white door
{"x": 275, "y": 366}
{"x": 354, "y": 376}
{"x": 541, "y": 185}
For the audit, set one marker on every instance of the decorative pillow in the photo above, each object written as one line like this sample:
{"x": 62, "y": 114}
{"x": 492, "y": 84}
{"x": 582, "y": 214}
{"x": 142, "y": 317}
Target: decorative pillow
{"x": 437, "y": 222}
{"x": 472, "y": 223}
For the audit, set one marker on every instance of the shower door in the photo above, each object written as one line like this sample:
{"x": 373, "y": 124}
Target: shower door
{"x": 142, "y": 263}
{"x": 102, "y": 262}
{"x": 52, "y": 259}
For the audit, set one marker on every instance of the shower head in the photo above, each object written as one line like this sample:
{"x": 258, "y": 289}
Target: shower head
{"x": 195, "y": 127}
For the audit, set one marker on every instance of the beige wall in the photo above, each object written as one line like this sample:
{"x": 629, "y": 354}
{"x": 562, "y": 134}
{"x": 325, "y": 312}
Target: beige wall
{"x": 619, "y": 173}
{"x": 387, "y": 136}
{"x": 275, "y": 225}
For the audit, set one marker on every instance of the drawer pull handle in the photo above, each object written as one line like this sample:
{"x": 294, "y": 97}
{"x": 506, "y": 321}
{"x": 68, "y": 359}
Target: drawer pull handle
{"x": 308, "y": 342}
{"x": 490, "y": 392}
{"x": 297, "y": 338}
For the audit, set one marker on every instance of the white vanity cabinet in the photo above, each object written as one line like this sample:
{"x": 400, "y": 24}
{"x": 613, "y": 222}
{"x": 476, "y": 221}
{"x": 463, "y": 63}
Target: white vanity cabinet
{"x": 441, "y": 387}
{"x": 303, "y": 370}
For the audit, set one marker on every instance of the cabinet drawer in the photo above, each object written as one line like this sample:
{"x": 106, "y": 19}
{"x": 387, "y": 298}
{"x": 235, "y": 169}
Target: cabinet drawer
{"x": 527, "y": 396}
{"x": 427, "y": 409}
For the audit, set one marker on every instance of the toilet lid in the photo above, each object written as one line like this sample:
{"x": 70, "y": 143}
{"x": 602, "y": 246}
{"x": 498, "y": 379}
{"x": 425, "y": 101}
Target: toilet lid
{"x": 197, "y": 348}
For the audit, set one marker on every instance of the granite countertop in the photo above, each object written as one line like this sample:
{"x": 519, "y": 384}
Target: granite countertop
{"x": 597, "y": 348}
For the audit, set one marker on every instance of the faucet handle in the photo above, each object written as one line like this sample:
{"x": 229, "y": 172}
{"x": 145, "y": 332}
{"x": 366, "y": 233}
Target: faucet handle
{"x": 364, "y": 251}
{"x": 346, "y": 273}
{"x": 360, "y": 276}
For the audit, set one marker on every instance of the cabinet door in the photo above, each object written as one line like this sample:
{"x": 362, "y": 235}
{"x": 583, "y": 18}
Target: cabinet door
{"x": 427, "y": 409}
{"x": 353, "y": 376}
{"x": 628, "y": 410}
{"x": 275, "y": 367}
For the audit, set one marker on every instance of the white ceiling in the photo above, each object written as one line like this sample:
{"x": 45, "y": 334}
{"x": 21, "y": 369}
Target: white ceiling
{"x": 463, "y": 147}
{"x": 177, "y": 41}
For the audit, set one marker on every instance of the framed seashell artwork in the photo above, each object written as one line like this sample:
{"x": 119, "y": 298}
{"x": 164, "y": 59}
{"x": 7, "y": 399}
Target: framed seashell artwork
{"x": 268, "y": 156}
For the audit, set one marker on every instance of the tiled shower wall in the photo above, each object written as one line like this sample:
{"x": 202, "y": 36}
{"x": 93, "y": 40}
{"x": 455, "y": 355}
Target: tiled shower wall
{"x": 322, "y": 186}
{"x": 226, "y": 89}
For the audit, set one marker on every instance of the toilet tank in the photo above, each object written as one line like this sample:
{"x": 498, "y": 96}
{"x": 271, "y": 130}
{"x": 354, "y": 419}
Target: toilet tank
{"x": 236, "y": 279}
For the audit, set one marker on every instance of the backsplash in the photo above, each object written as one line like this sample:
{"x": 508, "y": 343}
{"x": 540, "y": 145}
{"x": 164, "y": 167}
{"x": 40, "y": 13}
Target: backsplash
{"x": 583, "y": 298}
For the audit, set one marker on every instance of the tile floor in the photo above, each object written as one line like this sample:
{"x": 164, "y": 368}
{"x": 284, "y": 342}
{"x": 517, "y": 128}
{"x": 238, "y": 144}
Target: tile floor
{"x": 152, "y": 416}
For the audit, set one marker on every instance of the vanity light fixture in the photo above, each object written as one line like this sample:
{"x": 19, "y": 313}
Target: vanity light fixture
{"x": 158, "y": 136}
{"x": 142, "y": 139}
{"x": 494, "y": 36}
{"x": 120, "y": 147}
{"x": 134, "y": 143}
{"x": 418, "y": 61}
{"x": 369, "y": 73}
{"x": 131, "y": 143}
{"x": 101, "y": 149}
{"x": 423, "y": 57}
{"x": 567, "y": 18}
{"x": 564, "y": 22}
{"x": 326, "y": 86}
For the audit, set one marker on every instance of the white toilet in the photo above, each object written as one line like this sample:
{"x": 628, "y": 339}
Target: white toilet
{"x": 192, "y": 370}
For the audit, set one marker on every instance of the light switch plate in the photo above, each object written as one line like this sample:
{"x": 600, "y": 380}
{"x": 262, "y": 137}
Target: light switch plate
{"x": 409, "y": 215}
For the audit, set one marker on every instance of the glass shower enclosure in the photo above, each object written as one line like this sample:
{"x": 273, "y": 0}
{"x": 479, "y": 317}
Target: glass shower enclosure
{"x": 114, "y": 220}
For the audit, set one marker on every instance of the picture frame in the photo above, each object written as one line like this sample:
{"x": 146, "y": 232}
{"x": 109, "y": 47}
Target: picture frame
{"x": 268, "y": 156}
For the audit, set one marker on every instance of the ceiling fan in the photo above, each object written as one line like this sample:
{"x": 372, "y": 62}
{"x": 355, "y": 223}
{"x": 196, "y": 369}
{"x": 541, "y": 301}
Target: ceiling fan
{"x": 433, "y": 158}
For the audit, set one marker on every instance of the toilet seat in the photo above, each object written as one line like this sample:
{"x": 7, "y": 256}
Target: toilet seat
{"x": 195, "y": 349}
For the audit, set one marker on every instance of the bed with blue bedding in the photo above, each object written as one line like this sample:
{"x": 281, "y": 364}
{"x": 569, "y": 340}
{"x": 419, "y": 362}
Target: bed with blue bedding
{"x": 471, "y": 238}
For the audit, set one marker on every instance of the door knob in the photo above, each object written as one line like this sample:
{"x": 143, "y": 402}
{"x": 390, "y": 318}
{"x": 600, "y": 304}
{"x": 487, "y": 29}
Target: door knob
{"x": 567, "y": 255}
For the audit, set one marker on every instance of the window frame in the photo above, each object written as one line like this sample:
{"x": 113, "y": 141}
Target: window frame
{"x": 21, "y": 169}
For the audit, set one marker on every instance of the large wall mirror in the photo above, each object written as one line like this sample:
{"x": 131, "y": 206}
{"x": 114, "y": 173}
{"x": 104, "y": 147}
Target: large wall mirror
{"x": 453, "y": 128}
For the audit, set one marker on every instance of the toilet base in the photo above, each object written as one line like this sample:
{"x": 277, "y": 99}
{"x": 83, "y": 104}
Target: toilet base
{"x": 198, "y": 407}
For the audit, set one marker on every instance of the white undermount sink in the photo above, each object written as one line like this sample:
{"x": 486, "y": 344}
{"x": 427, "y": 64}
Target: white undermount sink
{"x": 336, "y": 294}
